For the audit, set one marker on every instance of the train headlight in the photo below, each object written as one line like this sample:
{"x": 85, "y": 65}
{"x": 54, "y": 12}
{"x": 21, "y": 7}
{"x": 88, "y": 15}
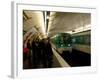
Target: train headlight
{"x": 69, "y": 45}
{"x": 62, "y": 45}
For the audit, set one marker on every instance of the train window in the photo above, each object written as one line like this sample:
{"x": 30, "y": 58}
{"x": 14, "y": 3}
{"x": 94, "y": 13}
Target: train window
{"x": 82, "y": 39}
{"x": 73, "y": 40}
{"x": 62, "y": 40}
{"x": 87, "y": 39}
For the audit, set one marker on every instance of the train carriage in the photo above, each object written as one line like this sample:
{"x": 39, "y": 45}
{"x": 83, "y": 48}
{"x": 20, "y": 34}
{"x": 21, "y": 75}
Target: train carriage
{"x": 81, "y": 41}
{"x": 63, "y": 42}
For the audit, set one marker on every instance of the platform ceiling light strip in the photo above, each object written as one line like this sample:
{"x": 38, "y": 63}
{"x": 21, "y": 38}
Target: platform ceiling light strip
{"x": 81, "y": 29}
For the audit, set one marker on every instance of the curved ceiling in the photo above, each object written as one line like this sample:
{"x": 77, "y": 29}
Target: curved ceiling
{"x": 33, "y": 22}
{"x": 66, "y": 21}
{"x": 36, "y": 20}
{"x": 42, "y": 23}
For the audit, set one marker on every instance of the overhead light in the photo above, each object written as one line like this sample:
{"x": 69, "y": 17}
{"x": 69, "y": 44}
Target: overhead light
{"x": 48, "y": 17}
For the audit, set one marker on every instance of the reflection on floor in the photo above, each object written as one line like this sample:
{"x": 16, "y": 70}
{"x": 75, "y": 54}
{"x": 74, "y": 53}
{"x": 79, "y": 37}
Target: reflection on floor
{"x": 29, "y": 65}
{"x": 74, "y": 59}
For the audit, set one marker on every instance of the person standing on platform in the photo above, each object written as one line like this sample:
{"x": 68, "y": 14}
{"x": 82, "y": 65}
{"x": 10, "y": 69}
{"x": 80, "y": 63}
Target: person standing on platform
{"x": 25, "y": 57}
{"x": 37, "y": 52}
{"x": 44, "y": 58}
{"x": 49, "y": 53}
{"x": 29, "y": 56}
{"x": 34, "y": 54}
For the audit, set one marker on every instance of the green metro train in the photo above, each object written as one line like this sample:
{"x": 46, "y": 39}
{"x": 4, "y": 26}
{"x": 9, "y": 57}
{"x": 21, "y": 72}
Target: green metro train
{"x": 66, "y": 42}
{"x": 62, "y": 42}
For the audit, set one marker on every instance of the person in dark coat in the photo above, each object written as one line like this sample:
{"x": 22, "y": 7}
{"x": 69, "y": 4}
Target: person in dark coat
{"x": 29, "y": 56}
{"x": 34, "y": 56}
{"x": 43, "y": 54}
{"x": 28, "y": 44}
{"x": 47, "y": 54}
{"x": 38, "y": 53}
